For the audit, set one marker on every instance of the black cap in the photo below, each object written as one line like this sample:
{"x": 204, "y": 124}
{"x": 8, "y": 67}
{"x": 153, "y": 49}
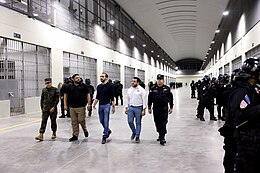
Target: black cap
{"x": 47, "y": 79}
{"x": 159, "y": 76}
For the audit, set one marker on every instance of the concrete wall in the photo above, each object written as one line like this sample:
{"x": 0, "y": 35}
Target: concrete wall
{"x": 32, "y": 105}
{"x": 246, "y": 43}
{"x": 36, "y": 32}
{"x": 4, "y": 108}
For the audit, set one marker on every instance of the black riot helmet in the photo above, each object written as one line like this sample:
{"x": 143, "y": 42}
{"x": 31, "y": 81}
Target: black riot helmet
{"x": 239, "y": 75}
{"x": 226, "y": 77}
{"x": 251, "y": 65}
{"x": 220, "y": 77}
{"x": 206, "y": 78}
{"x": 87, "y": 81}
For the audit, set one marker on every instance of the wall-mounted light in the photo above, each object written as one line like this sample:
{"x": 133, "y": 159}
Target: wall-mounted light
{"x": 207, "y": 53}
{"x": 217, "y": 31}
{"x": 210, "y": 48}
{"x": 225, "y": 13}
{"x": 213, "y": 42}
{"x": 132, "y": 36}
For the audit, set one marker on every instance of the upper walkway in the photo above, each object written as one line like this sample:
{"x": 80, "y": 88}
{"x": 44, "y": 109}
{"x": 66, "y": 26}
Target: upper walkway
{"x": 192, "y": 146}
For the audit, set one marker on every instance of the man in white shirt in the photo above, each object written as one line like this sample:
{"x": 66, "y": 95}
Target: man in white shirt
{"x": 135, "y": 105}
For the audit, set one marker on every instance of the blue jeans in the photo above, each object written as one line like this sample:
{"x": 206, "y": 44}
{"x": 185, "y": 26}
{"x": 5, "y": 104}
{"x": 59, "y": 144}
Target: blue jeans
{"x": 135, "y": 112}
{"x": 104, "y": 112}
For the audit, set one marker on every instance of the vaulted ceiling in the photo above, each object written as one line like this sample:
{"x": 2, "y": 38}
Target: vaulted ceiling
{"x": 183, "y": 28}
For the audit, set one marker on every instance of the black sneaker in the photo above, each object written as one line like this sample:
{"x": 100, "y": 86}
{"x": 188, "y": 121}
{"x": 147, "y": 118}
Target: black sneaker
{"x": 86, "y": 133}
{"x": 73, "y": 138}
{"x": 137, "y": 140}
{"x": 202, "y": 119}
{"x": 162, "y": 141}
{"x": 103, "y": 140}
{"x": 213, "y": 119}
{"x": 133, "y": 136}
{"x": 109, "y": 132}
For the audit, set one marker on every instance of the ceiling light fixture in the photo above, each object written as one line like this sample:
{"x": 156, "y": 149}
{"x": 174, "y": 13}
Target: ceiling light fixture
{"x": 152, "y": 51}
{"x": 217, "y": 31}
{"x": 158, "y": 56}
{"x": 144, "y": 45}
{"x": 132, "y": 36}
{"x": 213, "y": 42}
{"x": 111, "y": 22}
{"x": 225, "y": 13}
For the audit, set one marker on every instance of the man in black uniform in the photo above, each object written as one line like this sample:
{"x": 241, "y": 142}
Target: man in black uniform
{"x": 193, "y": 88}
{"x": 160, "y": 95}
{"x": 91, "y": 92}
{"x": 198, "y": 85}
{"x": 49, "y": 101}
{"x": 246, "y": 106}
{"x": 206, "y": 99}
{"x": 238, "y": 79}
{"x": 62, "y": 90}
{"x": 118, "y": 89}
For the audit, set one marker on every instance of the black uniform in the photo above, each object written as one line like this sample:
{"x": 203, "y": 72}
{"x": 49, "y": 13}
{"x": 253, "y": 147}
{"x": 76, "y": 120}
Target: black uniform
{"x": 91, "y": 92}
{"x": 118, "y": 90}
{"x": 49, "y": 99}
{"x": 160, "y": 97}
{"x": 247, "y": 120}
{"x": 62, "y": 91}
{"x": 193, "y": 88}
{"x": 228, "y": 129}
{"x": 198, "y": 85}
{"x": 206, "y": 100}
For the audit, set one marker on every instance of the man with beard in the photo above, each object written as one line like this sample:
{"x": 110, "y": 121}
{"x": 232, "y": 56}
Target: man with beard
{"x": 105, "y": 97}
{"x": 77, "y": 96}
{"x": 135, "y": 105}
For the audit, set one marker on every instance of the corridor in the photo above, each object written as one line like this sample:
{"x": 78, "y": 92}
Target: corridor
{"x": 192, "y": 146}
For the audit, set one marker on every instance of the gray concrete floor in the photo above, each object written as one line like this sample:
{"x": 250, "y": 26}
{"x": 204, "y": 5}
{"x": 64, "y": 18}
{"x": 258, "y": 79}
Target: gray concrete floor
{"x": 192, "y": 146}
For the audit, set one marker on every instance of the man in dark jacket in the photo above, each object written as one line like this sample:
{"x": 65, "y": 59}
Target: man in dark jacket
{"x": 161, "y": 97}
{"x": 246, "y": 107}
{"x": 62, "y": 91}
{"x": 91, "y": 92}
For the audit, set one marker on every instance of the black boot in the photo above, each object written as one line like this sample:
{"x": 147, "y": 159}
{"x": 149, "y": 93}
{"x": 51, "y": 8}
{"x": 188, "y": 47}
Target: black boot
{"x": 73, "y": 138}
{"x": 103, "y": 140}
{"x": 202, "y": 118}
{"x": 162, "y": 140}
